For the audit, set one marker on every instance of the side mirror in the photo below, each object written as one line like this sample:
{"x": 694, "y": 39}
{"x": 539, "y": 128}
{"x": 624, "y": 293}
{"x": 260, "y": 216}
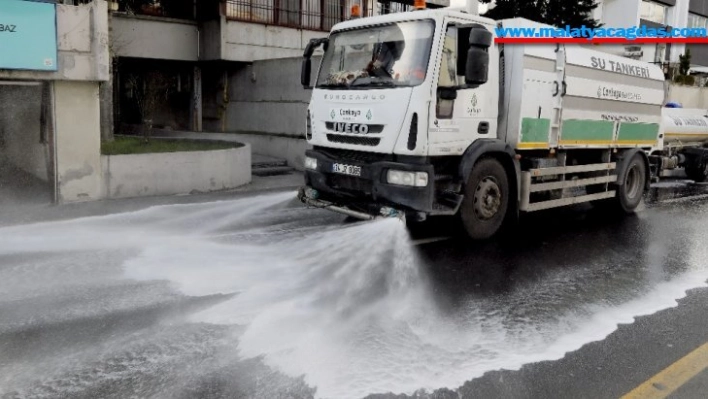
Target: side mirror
{"x": 477, "y": 68}
{"x": 306, "y": 68}
{"x": 306, "y": 72}
{"x": 447, "y": 93}
{"x": 477, "y": 63}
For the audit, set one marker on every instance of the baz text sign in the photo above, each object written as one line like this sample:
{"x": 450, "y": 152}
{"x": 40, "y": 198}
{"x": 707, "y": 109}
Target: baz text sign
{"x": 28, "y": 35}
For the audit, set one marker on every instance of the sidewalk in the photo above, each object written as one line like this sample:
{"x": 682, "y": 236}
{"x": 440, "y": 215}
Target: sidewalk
{"x": 25, "y": 214}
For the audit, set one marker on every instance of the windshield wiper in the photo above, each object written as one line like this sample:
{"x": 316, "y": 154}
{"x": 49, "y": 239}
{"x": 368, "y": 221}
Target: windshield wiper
{"x": 375, "y": 82}
{"x": 331, "y": 86}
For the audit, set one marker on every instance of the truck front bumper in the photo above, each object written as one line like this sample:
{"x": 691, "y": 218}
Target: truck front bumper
{"x": 367, "y": 195}
{"x": 309, "y": 196}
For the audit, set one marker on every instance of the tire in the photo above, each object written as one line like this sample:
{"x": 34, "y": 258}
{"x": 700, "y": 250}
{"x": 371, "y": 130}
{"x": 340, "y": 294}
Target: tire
{"x": 699, "y": 173}
{"x": 486, "y": 200}
{"x": 631, "y": 190}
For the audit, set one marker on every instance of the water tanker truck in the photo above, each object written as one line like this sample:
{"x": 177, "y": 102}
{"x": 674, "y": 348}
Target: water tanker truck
{"x": 683, "y": 145}
{"x": 421, "y": 114}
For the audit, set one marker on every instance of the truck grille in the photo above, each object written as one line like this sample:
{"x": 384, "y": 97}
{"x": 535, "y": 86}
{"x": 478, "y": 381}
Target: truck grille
{"x": 351, "y": 155}
{"x": 336, "y": 138}
{"x": 351, "y": 183}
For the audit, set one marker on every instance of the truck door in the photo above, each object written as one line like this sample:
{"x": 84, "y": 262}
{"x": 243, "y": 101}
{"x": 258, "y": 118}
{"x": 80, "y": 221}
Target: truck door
{"x": 460, "y": 116}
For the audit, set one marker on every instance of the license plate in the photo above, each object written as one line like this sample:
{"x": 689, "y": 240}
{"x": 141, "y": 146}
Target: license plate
{"x": 346, "y": 169}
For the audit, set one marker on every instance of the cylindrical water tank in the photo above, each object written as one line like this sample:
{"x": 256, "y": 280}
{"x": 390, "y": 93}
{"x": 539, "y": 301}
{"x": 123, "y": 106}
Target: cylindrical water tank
{"x": 685, "y": 125}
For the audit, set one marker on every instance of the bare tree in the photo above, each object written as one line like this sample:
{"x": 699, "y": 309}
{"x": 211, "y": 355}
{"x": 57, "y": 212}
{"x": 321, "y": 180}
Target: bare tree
{"x": 150, "y": 89}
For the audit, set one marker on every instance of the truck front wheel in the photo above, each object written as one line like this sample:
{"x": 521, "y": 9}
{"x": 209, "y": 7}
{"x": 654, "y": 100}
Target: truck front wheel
{"x": 486, "y": 200}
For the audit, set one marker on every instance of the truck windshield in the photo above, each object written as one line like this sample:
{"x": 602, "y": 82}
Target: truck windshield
{"x": 383, "y": 56}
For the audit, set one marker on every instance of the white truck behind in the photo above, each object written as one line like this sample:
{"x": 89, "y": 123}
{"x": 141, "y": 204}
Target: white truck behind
{"x": 422, "y": 114}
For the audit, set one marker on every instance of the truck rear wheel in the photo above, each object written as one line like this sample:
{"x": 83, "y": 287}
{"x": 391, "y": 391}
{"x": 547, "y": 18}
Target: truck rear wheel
{"x": 631, "y": 188}
{"x": 699, "y": 173}
{"x": 486, "y": 200}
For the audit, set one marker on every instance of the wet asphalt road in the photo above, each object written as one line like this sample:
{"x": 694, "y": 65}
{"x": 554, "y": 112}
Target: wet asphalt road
{"x": 256, "y": 297}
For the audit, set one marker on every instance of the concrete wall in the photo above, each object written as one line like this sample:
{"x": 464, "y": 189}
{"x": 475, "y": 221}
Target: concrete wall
{"x": 157, "y": 38}
{"x": 20, "y": 114}
{"x": 138, "y": 175}
{"x": 689, "y": 97}
{"x": 249, "y": 42}
{"x": 82, "y": 33}
{"x": 292, "y": 149}
{"x": 211, "y": 40}
{"x": 267, "y": 97}
{"x": 78, "y": 141}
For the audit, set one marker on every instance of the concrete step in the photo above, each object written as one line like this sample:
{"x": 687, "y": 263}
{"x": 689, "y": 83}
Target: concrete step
{"x": 263, "y": 165}
{"x": 263, "y": 162}
{"x": 272, "y": 171}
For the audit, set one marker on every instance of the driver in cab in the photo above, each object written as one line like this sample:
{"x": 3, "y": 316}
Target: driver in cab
{"x": 384, "y": 56}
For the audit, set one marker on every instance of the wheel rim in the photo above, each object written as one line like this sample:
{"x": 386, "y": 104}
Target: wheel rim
{"x": 487, "y": 198}
{"x": 633, "y": 182}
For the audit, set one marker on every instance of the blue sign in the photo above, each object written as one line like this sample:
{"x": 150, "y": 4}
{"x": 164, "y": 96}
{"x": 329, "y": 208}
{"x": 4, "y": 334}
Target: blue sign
{"x": 28, "y": 35}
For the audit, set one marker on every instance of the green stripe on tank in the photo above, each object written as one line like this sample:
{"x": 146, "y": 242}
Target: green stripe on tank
{"x": 638, "y": 132}
{"x": 587, "y": 130}
{"x": 535, "y": 130}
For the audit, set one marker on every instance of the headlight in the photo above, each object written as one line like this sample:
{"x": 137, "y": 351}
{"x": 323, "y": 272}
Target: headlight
{"x": 310, "y": 163}
{"x": 401, "y": 178}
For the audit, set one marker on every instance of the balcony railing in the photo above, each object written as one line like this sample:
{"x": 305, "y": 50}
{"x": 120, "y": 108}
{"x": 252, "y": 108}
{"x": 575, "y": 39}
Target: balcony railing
{"x": 180, "y": 9}
{"x": 318, "y": 15}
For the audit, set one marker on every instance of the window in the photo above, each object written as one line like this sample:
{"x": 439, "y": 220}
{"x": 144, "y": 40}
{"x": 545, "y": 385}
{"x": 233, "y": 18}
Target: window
{"x": 660, "y": 53}
{"x": 449, "y": 75}
{"x": 654, "y": 12}
{"x": 697, "y": 21}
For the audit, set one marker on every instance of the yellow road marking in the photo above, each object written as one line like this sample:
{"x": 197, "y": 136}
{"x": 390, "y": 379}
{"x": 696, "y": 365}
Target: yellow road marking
{"x": 673, "y": 377}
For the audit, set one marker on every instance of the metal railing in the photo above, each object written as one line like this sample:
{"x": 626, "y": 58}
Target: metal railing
{"x": 181, "y": 9}
{"x": 319, "y": 15}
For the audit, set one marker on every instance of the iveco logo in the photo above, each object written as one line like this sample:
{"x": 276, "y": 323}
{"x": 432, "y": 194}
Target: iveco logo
{"x": 351, "y": 128}
{"x": 354, "y": 97}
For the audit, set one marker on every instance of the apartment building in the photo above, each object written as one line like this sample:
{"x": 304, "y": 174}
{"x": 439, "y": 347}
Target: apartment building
{"x": 659, "y": 13}
{"x": 195, "y": 48}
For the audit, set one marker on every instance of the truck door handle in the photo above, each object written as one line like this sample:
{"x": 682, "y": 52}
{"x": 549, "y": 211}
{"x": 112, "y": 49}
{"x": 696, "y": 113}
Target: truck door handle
{"x": 565, "y": 89}
{"x": 555, "y": 93}
{"x": 483, "y": 128}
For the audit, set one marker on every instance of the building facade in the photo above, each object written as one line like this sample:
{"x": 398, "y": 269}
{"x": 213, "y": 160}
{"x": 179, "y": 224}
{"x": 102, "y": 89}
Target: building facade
{"x": 189, "y": 53}
{"x": 658, "y": 13}
{"x": 54, "y": 62}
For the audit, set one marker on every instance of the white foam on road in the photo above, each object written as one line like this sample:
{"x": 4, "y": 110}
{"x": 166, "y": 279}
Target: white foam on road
{"x": 348, "y": 309}
{"x": 346, "y": 306}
